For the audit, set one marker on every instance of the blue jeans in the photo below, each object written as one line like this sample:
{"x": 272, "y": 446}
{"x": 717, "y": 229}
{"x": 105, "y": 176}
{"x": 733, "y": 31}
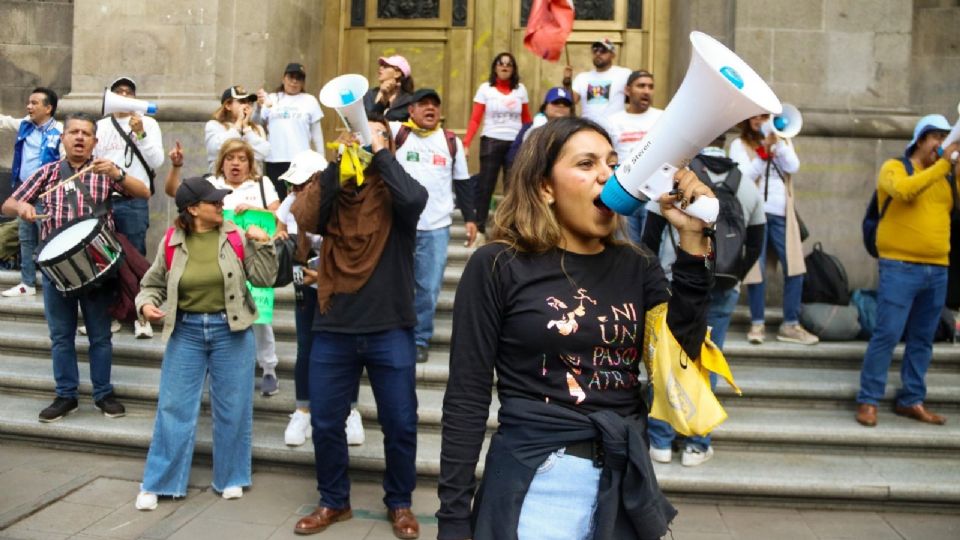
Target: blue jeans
{"x": 203, "y": 344}
{"x": 909, "y": 300}
{"x": 306, "y": 306}
{"x": 429, "y": 261}
{"x": 61, "y": 314}
{"x": 635, "y": 223}
{"x": 335, "y": 363}
{"x": 29, "y": 236}
{"x": 721, "y": 308}
{"x": 561, "y": 500}
{"x": 792, "y": 285}
{"x": 132, "y": 218}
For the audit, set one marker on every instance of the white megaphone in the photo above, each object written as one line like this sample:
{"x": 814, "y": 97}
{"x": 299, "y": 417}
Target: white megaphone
{"x": 954, "y": 134}
{"x": 115, "y": 103}
{"x": 718, "y": 91}
{"x": 344, "y": 94}
{"x": 785, "y": 125}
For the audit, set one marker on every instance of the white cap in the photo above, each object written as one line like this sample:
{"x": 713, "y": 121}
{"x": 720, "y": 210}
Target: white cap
{"x": 303, "y": 166}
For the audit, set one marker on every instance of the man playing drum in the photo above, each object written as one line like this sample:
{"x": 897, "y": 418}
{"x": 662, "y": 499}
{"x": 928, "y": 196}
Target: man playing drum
{"x": 66, "y": 203}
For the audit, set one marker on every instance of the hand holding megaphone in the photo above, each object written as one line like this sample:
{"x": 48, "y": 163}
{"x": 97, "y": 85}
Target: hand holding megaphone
{"x": 687, "y": 206}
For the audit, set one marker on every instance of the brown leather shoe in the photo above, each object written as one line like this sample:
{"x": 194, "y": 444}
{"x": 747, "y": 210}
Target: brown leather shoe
{"x": 867, "y": 414}
{"x": 920, "y": 413}
{"x": 320, "y": 519}
{"x": 405, "y": 524}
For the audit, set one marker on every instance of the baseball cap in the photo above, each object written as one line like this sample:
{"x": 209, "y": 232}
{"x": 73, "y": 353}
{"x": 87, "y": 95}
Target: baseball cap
{"x": 294, "y": 67}
{"x": 424, "y": 93}
{"x": 237, "y": 93}
{"x": 303, "y": 166}
{"x": 557, "y": 93}
{"x": 123, "y": 80}
{"x": 197, "y": 189}
{"x": 606, "y": 44}
{"x": 930, "y": 122}
{"x": 398, "y": 62}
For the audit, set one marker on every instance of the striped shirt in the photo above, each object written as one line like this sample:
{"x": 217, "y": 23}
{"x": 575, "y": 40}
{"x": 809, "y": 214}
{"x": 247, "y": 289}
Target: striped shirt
{"x": 59, "y": 204}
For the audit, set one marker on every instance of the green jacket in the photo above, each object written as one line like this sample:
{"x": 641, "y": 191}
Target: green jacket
{"x": 259, "y": 267}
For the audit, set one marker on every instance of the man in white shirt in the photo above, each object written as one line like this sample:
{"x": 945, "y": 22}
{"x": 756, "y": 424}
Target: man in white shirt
{"x": 600, "y": 92}
{"x": 135, "y": 144}
{"x": 435, "y": 157}
{"x": 628, "y": 127}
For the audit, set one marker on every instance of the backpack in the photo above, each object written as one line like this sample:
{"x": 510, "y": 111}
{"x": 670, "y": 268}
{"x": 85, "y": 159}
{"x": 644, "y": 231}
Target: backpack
{"x": 826, "y": 279}
{"x": 450, "y": 136}
{"x": 831, "y": 322}
{"x": 233, "y": 237}
{"x": 731, "y": 228}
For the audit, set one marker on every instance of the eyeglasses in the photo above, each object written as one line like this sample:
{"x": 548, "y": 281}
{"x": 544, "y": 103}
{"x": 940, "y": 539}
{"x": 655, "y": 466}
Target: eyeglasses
{"x": 218, "y": 204}
{"x": 504, "y": 64}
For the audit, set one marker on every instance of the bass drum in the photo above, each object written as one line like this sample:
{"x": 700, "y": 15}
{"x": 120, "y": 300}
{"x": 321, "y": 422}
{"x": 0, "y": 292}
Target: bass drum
{"x": 80, "y": 255}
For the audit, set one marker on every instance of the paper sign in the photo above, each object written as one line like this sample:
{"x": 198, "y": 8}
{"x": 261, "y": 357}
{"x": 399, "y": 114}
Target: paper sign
{"x": 262, "y": 296}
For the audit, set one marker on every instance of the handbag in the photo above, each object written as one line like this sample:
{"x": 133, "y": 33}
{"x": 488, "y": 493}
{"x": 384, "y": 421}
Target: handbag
{"x": 285, "y": 249}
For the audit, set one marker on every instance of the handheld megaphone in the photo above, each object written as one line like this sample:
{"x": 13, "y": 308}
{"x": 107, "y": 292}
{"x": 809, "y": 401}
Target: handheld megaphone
{"x": 785, "y": 125}
{"x": 718, "y": 91}
{"x": 344, "y": 94}
{"x": 115, "y": 103}
{"x": 954, "y": 134}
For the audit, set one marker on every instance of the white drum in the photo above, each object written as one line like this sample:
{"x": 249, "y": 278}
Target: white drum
{"x": 80, "y": 255}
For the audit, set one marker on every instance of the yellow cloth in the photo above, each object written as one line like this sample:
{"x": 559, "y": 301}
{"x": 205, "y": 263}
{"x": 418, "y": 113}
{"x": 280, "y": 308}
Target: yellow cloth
{"x": 353, "y": 160}
{"x": 681, "y": 385}
{"x": 916, "y": 226}
{"x": 419, "y": 131}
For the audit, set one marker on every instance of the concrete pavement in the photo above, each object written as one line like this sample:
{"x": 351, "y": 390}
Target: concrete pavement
{"x": 58, "y": 494}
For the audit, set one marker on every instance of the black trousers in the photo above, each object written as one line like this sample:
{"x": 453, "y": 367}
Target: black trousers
{"x": 273, "y": 171}
{"x": 493, "y": 159}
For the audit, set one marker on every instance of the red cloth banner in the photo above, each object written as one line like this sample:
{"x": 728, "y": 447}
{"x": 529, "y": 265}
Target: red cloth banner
{"x": 548, "y": 27}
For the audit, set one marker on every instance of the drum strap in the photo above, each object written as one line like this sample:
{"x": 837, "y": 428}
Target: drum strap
{"x": 99, "y": 210}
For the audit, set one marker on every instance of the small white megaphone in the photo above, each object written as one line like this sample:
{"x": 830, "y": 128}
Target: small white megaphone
{"x": 954, "y": 134}
{"x": 785, "y": 125}
{"x": 718, "y": 91}
{"x": 115, "y": 103}
{"x": 344, "y": 94}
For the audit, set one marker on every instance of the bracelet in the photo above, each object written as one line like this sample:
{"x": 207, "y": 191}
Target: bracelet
{"x": 175, "y": 166}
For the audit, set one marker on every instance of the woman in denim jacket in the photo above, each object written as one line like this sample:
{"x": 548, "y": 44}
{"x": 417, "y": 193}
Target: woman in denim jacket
{"x": 201, "y": 270}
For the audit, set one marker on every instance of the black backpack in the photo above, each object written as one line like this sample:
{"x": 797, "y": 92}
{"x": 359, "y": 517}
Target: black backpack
{"x": 826, "y": 280}
{"x": 731, "y": 227}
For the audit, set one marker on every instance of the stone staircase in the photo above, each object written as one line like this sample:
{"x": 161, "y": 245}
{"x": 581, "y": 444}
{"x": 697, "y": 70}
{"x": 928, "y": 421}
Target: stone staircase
{"x": 790, "y": 439}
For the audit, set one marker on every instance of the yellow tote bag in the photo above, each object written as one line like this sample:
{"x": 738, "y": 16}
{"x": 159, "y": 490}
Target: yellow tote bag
{"x": 681, "y": 385}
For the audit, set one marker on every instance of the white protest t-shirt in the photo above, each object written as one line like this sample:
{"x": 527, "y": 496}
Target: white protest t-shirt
{"x": 627, "y": 129}
{"x": 289, "y": 121}
{"x": 501, "y": 116}
{"x": 428, "y": 160}
{"x": 601, "y": 93}
{"x": 246, "y": 193}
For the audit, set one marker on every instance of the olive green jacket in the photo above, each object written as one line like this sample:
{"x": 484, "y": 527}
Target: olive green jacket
{"x": 259, "y": 267}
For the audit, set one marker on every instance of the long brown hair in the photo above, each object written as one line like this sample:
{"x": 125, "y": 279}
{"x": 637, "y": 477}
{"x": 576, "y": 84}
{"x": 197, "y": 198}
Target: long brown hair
{"x": 523, "y": 219}
{"x": 751, "y": 137}
{"x": 231, "y": 146}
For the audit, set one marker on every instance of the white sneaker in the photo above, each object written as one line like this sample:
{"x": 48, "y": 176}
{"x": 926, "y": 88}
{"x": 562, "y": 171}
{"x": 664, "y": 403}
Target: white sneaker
{"x": 142, "y": 330}
{"x": 756, "y": 333}
{"x": 692, "y": 457}
{"x": 82, "y": 329}
{"x": 146, "y": 501}
{"x": 19, "y": 290}
{"x": 355, "y": 436}
{"x": 661, "y": 455}
{"x": 115, "y": 326}
{"x": 232, "y": 492}
{"x": 298, "y": 430}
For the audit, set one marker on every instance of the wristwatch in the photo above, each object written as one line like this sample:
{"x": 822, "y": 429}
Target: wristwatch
{"x": 123, "y": 175}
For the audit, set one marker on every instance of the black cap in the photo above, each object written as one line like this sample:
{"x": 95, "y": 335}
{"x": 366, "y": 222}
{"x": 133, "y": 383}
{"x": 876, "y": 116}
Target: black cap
{"x": 123, "y": 80}
{"x": 238, "y": 93}
{"x": 198, "y": 189}
{"x": 424, "y": 93}
{"x": 294, "y": 67}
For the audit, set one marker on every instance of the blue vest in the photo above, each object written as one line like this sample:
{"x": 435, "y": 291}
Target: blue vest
{"x": 49, "y": 147}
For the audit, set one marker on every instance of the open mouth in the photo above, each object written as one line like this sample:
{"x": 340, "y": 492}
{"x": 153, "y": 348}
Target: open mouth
{"x": 602, "y": 208}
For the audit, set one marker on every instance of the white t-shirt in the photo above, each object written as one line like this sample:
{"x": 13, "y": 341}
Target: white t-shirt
{"x": 627, "y": 129}
{"x": 215, "y": 134}
{"x": 501, "y": 116}
{"x": 110, "y": 145}
{"x": 601, "y": 92}
{"x": 246, "y": 193}
{"x": 428, "y": 160}
{"x": 291, "y": 123}
{"x": 755, "y": 170}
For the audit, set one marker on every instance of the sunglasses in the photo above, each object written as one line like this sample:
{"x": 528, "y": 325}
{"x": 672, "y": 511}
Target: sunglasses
{"x": 505, "y": 64}
{"x": 218, "y": 204}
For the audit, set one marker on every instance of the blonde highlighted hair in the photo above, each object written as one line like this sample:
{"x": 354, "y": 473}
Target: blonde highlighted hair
{"x": 235, "y": 145}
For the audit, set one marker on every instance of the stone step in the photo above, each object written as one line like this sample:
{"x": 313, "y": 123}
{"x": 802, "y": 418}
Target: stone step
{"x": 733, "y": 473}
{"x": 796, "y": 426}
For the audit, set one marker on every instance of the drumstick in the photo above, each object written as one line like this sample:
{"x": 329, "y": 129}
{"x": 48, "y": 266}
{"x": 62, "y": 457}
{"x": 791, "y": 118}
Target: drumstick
{"x": 41, "y": 216}
{"x": 56, "y": 187}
